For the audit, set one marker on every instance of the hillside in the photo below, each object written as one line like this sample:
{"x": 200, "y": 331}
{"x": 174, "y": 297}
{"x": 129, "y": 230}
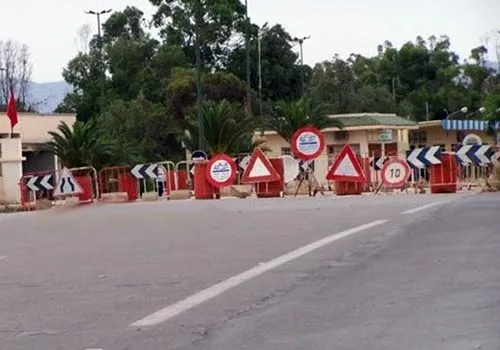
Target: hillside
{"x": 45, "y": 97}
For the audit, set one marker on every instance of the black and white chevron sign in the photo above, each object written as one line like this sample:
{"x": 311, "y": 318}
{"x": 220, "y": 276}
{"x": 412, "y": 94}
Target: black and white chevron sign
{"x": 475, "y": 154}
{"x": 423, "y": 157}
{"x": 145, "y": 171}
{"x": 40, "y": 183}
{"x": 377, "y": 162}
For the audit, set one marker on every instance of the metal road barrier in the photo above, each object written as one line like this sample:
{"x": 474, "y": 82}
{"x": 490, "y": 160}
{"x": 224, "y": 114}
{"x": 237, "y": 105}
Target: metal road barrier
{"x": 167, "y": 177}
{"x": 37, "y": 186}
{"x": 184, "y": 179}
{"x": 118, "y": 179}
{"x": 88, "y": 179}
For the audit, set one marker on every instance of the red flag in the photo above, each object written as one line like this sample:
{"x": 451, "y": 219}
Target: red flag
{"x": 12, "y": 110}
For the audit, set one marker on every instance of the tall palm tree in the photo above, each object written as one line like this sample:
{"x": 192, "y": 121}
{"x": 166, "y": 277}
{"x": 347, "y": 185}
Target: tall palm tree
{"x": 83, "y": 144}
{"x": 226, "y": 127}
{"x": 287, "y": 117}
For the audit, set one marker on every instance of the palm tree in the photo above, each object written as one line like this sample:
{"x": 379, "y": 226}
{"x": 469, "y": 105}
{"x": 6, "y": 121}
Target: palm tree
{"x": 227, "y": 129}
{"x": 287, "y": 117}
{"x": 83, "y": 144}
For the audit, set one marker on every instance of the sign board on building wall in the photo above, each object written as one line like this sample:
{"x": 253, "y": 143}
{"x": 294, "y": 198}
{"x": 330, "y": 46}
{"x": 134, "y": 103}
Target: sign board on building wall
{"x": 384, "y": 136}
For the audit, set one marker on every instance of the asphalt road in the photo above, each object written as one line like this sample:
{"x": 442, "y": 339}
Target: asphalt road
{"x": 371, "y": 272}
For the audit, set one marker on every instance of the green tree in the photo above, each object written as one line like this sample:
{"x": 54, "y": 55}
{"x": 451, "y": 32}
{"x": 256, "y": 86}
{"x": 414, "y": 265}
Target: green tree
{"x": 83, "y": 144}
{"x": 227, "y": 129}
{"x": 217, "y": 87}
{"x": 333, "y": 84}
{"x": 279, "y": 64}
{"x": 288, "y": 117}
{"x": 143, "y": 128}
{"x": 217, "y": 19}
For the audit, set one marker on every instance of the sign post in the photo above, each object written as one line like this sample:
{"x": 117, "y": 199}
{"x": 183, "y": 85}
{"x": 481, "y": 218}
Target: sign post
{"x": 221, "y": 171}
{"x": 307, "y": 144}
{"x": 395, "y": 174}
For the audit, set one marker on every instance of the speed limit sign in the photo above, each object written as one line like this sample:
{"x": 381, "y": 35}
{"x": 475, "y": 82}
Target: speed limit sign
{"x": 395, "y": 173}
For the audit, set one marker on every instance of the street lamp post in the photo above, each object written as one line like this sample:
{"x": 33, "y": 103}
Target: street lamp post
{"x": 99, "y": 38}
{"x": 462, "y": 110}
{"x": 199, "y": 92}
{"x": 247, "y": 54}
{"x": 259, "y": 50}
{"x": 481, "y": 110}
{"x": 301, "y": 42}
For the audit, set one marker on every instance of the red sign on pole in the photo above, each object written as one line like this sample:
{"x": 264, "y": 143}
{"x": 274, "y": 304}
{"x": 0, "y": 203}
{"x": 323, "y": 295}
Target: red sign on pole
{"x": 221, "y": 171}
{"x": 307, "y": 143}
{"x": 395, "y": 173}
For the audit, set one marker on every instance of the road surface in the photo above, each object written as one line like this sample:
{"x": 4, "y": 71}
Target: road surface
{"x": 371, "y": 272}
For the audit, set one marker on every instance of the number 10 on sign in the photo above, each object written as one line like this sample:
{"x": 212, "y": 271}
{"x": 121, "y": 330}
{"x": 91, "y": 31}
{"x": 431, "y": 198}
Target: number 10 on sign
{"x": 395, "y": 173}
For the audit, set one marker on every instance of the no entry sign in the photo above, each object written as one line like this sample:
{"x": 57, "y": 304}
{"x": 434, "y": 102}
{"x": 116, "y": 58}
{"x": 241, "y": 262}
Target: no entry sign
{"x": 221, "y": 170}
{"x": 395, "y": 173}
{"x": 307, "y": 143}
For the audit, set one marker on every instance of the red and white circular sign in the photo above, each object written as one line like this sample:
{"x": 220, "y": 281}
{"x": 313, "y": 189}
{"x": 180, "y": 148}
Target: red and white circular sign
{"x": 307, "y": 143}
{"x": 221, "y": 170}
{"x": 395, "y": 173}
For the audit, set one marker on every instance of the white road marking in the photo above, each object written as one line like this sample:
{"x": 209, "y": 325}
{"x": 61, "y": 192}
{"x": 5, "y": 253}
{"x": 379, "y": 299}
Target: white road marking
{"x": 234, "y": 281}
{"x": 423, "y": 207}
{"x": 3, "y": 257}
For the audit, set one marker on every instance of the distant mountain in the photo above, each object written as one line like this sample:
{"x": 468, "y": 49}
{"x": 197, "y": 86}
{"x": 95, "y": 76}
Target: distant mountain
{"x": 45, "y": 97}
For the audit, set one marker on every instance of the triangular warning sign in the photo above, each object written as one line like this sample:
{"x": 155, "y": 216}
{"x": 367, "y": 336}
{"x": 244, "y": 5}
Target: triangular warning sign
{"x": 346, "y": 167}
{"x": 67, "y": 185}
{"x": 259, "y": 169}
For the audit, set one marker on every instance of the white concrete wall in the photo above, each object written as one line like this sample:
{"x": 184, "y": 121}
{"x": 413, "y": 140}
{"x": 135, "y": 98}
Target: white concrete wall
{"x": 11, "y": 168}
{"x": 34, "y": 128}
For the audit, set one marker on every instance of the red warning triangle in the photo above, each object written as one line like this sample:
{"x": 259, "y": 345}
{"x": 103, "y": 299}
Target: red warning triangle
{"x": 259, "y": 169}
{"x": 346, "y": 167}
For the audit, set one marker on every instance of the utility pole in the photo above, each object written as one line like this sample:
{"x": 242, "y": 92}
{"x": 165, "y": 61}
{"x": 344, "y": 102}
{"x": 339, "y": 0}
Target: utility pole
{"x": 101, "y": 61}
{"x": 247, "y": 54}
{"x": 301, "y": 42}
{"x": 259, "y": 50}
{"x": 199, "y": 92}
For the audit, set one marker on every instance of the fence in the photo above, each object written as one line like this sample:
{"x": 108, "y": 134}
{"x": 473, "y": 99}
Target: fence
{"x": 37, "y": 188}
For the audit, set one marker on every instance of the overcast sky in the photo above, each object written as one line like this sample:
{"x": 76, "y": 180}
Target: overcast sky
{"x": 50, "y": 27}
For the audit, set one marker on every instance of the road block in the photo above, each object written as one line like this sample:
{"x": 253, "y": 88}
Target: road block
{"x": 37, "y": 186}
{"x": 272, "y": 189}
{"x": 183, "y": 178}
{"x": 118, "y": 179}
{"x": 87, "y": 178}
{"x": 203, "y": 189}
{"x": 443, "y": 177}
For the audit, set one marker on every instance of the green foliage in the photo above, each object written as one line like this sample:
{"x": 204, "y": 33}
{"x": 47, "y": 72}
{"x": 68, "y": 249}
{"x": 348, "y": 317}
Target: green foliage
{"x": 146, "y": 98}
{"x": 217, "y": 87}
{"x": 83, "y": 144}
{"x": 227, "y": 129}
{"x": 217, "y": 21}
{"x": 290, "y": 116}
{"x": 280, "y": 68}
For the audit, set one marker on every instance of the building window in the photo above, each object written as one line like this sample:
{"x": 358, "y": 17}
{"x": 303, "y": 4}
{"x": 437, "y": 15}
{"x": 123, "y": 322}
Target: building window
{"x": 333, "y": 150}
{"x": 418, "y": 137}
{"x": 341, "y": 136}
{"x": 286, "y": 151}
